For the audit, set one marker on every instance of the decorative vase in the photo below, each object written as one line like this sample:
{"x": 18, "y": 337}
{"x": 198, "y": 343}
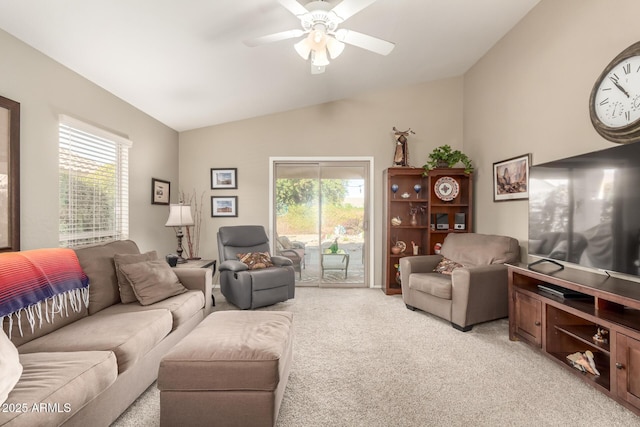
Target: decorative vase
{"x": 413, "y": 221}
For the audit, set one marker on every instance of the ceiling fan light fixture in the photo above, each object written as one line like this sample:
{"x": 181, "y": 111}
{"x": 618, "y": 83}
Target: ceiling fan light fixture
{"x": 303, "y": 49}
{"x": 334, "y": 47}
{"x": 319, "y": 58}
{"x": 317, "y": 39}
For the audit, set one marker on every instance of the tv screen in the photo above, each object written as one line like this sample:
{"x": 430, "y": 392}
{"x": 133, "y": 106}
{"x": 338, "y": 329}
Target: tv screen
{"x": 586, "y": 209}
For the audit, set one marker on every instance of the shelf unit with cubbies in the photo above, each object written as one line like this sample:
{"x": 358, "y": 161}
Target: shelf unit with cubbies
{"x": 449, "y": 214}
{"x": 602, "y": 316}
{"x": 401, "y": 198}
{"x": 399, "y": 182}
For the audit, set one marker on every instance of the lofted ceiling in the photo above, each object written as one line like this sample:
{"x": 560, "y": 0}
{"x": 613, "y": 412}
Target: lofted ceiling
{"x": 184, "y": 63}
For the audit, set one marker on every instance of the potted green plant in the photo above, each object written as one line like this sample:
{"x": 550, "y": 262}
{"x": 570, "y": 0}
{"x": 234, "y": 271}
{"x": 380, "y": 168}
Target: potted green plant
{"x": 445, "y": 157}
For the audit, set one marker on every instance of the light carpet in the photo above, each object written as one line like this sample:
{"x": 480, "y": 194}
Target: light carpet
{"x": 362, "y": 359}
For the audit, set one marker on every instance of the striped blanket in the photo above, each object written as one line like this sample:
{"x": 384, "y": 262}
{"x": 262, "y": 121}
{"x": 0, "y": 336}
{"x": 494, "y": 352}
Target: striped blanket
{"x": 29, "y": 278}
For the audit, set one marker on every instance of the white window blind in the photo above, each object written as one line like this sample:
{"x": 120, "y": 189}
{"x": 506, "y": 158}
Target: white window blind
{"x": 94, "y": 184}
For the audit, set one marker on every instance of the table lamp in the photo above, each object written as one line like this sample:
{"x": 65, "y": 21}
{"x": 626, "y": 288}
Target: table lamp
{"x": 179, "y": 216}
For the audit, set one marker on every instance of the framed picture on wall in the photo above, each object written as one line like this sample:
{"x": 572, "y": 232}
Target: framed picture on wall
{"x": 160, "y": 192}
{"x": 224, "y": 178}
{"x": 9, "y": 175}
{"x": 224, "y": 206}
{"x": 511, "y": 179}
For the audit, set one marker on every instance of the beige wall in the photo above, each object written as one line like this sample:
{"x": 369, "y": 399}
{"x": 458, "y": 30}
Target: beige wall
{"x": 530, "y": 94}
{"x": 360, "y": 126}
{"x": 45, "y": 89}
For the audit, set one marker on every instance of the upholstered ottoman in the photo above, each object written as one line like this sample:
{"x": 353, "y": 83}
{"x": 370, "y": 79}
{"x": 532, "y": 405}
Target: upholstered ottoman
{"x": 231, "y": 370}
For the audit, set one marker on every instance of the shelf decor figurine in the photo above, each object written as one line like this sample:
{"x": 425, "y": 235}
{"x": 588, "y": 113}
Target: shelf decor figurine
{"x": 417, "y": 189}
{"x": 601, "y": 336}
{"x": 401, "y": 155}
{"x": 413, "y": 210}
{"x": 398, "y": 275}
{"x": 394, "y": 189}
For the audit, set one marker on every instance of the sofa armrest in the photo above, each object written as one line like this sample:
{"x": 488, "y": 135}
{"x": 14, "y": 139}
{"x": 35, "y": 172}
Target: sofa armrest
{"x": 233, "y": 265}
{"x": 479, "y": 293}
{"x": 198, "y": 279}
{"x": 281, "y": 261}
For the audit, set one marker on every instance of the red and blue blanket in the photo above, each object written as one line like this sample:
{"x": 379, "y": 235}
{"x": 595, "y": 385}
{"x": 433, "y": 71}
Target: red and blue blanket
{"x": 31, "y": 277}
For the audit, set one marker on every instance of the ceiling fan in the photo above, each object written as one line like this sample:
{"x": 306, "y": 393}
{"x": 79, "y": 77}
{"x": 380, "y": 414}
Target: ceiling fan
{"x": 323, "y": 38}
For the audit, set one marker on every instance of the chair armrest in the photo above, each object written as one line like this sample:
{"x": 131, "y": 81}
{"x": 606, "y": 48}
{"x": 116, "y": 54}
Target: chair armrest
{"x": 298, "y": 245}
{"x": 485, "y": 287}
{"x": 280, "y": 261}
{"x": 419, "y": 264}
{"x": 233, "y": 265}
{"x": 198, "y": 279}
{"x": 288, "y": 253}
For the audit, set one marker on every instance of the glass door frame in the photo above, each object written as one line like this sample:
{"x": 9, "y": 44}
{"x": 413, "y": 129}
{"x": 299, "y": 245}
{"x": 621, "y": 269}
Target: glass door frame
{"x": 369, "y": 203}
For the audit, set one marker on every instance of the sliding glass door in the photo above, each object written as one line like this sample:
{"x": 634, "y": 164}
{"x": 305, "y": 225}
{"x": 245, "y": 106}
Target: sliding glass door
{"x": 320, "y": 220}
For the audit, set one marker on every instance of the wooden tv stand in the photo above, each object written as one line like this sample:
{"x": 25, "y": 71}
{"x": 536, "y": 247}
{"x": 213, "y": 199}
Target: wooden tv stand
{"x": 561, "y": 326}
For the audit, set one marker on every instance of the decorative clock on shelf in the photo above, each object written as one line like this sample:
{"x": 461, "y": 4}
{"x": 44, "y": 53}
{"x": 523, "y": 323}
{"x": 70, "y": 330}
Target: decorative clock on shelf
{"x": 614, "y": 104}
{"x": 446, "y": 188}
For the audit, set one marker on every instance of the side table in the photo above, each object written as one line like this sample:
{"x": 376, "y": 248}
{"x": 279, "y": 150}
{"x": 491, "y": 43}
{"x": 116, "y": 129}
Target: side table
{"x": 335, "y": 262}
{"x": 201, "y": 263}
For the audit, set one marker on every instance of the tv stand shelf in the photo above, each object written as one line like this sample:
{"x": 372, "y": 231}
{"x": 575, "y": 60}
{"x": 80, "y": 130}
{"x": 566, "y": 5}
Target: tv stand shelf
{"x": 560, "y": 326}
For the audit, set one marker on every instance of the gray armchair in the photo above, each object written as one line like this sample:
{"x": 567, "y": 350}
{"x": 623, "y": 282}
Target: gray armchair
{"x": 471, "y": 294}
{"x": 246, "y": 288}
{"x": 293, "y": 250}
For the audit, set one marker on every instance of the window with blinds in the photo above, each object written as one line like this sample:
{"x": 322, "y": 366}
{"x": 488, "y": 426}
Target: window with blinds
{"x": 94, "y": 184}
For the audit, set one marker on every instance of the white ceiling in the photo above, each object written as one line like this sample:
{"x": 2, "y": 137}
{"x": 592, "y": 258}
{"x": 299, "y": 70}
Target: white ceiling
{"x": 184, "y": 63}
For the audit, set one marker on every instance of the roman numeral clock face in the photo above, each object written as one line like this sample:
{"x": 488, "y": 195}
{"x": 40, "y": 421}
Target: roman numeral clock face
{"x": 618, "y": 98}
{"x": 615, "y": 99}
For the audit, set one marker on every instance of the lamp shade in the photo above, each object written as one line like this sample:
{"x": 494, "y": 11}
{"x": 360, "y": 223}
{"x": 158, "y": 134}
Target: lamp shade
{"x": 303, "y": 49}
{"x": 179, "y": 215}
{"x": 319, "y": 58}
{"x": 334, "y": 47}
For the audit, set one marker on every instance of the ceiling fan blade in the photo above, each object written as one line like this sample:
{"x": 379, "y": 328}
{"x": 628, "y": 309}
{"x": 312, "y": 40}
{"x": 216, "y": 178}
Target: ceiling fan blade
{"x": 364, "y": 41}
{"x": 276, "y": 37}
{"x": 294, "y": 7}
{"x": 348, "y": 8}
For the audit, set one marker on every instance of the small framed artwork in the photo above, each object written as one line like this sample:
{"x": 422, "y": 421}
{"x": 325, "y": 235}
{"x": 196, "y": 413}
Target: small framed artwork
{"x": 224, "y": 206}
{"x": 160, "y": 192}
{"x": 223, "y": 179}
{"x": 511, "y": 179}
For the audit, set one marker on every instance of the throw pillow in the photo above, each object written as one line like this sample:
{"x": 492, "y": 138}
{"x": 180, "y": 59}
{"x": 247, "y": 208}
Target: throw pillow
{"x": 10, "y": 367}
{"x": 152, "y": 281}
{"x": 256, "y": 260}
{"x": 126, "y": 292}
{"x": 446, "y": 266}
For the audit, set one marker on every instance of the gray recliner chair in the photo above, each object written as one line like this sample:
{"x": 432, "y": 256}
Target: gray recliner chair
{"x": 471, "y": 294}
{"x": 246, "y": 288}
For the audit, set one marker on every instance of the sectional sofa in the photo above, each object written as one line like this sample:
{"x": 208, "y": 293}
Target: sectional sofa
{"x": 86, "y": 367}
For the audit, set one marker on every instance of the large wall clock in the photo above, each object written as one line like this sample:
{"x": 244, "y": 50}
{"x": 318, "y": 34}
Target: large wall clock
{"x": 614, "y": 104}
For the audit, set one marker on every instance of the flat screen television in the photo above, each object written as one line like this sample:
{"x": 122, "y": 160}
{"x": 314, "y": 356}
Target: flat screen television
{"x": 585, "y": 210}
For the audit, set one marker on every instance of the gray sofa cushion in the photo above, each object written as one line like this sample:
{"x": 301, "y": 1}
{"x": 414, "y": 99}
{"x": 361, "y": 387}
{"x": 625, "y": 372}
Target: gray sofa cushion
{"x": 126, "y": 292}
{"x": 66, "y": 381}
{"x": 129, "y": 335}
{"x": 152, "y": 281}
{"x": 436, "y": 284}
{"x": 55, "y": 322}
{"x": 182, "y": 307}
{"x": 97, "y": 263}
